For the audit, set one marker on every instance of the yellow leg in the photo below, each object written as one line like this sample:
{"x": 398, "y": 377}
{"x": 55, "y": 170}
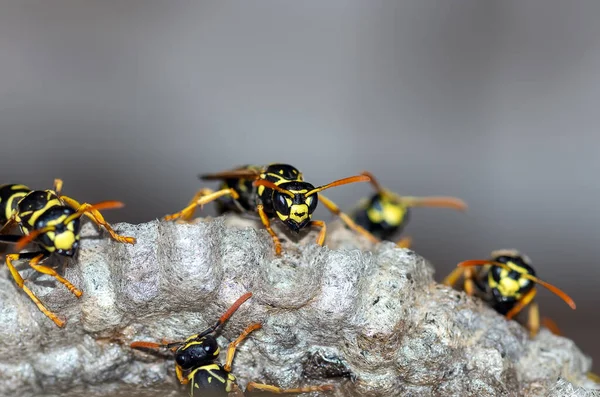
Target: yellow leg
{"x": 331, "y": 206}
{"x": 179, "y": 372}
{"x": 203, "y": 199}
{"x": 21, "y": 284}
{"x": 265, "y": 220}
{"x": 322, "y": 232}
{"x": 233, "y": 345}
{"x": 404, "y": 242}
{"x": 48, "y": 270}
{"x": 533, "y": 319}
{"x": 525, "y": 300}
{"x": 453, "y": 277}
{"x": 469, "y": 283}
{"x": 592, "y": 376}
{"x": 189, "y": 214}
{"x": 97, "y": 218}
{"x": 277, "y": 390}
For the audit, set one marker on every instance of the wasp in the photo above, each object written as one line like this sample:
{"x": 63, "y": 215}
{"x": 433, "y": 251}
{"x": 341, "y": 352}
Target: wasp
{"x": 276, "y": 191}
{"x": 385, "y": 214}
{"x": 196, "y": 362}
{"x": 51, "y": 221}
{"x": 506, "y": 282}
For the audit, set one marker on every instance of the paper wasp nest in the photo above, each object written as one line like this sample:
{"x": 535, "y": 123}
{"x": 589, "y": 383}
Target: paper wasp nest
{"x": 369, "y": 320}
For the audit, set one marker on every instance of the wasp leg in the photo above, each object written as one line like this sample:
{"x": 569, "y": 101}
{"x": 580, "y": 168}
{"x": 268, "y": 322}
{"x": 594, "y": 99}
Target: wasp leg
{"x": 200, "y": 201}
{"x": 58, "y": 184}
{"x": 331, "y": 206}
{"x": 593, "y": 377}
{"x": 188, "y": 213}
{"x": 277, "y": 390}
{"x": 469, "y": 283}
{"x": 233, "y": 345}
{"x": 97, "y": 218}
{"x": 179, "y": 372}
{"x": 404, "y": 242}
{"x": 48, "y": 270}
{"x": 21, "y": 284}
{"x": 524, "y": 301}
{"x": 552, "y": 326}
{"x": 453, "y": 277}
{"x": 533, "y": 319}
{"x": 322, "y": 232}
{"x": 265, "y": 220}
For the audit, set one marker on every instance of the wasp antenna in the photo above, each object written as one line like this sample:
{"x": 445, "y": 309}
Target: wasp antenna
{"x": 435, "y": 201}
{"x": 339, "y": 182}
{"x": 271, "y": 185}
{"x": 480, "y": 262}
{"x": 378, "y": 188}
{"x": 227, "y": 314}
{"x": 561, "y": 294}
{"x": 146, "y": 345}
{"x": 103, "y": 205}
{"x": 22, "y": 242}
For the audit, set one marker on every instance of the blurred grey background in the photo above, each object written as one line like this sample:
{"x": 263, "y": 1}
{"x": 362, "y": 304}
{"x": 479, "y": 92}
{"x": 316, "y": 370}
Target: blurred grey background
{"x": 494, "y": 102}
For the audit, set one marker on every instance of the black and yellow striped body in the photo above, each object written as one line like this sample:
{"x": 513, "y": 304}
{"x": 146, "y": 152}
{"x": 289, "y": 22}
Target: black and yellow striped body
{"x": 210, "y": 380}
{"x": 9, "y": 200}
{"x": 502, "y": 288}
{"x": 382, "y": 216}
{"x": 294, "y": 211}
{"x": 36, "y": 209}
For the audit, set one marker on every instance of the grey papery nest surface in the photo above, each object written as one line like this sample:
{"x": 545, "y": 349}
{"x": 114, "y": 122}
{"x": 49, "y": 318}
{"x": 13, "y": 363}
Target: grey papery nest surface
{"x": 368, "y": 319}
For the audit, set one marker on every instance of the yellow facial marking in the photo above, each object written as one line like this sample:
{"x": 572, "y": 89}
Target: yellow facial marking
{"x": 390, "y": 212}
{"x": 509, "y": 287}
{"x": 260, "y": 190}
{"x": 281, "y": 216}
{"x": 64, "y": 240}
{"x": 299, "y": 212}
{"x": 393, "y": 214}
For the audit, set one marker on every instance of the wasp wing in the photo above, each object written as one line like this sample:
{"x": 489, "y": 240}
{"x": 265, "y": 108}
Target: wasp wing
{"x": 239, "y": 173}
{"x": 10, "y": 238}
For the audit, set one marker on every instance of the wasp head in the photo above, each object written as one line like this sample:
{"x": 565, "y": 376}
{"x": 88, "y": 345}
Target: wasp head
{"x": 292, "y": 206}
{"x": 197, "y": 352}
{"x": 57, "y": 230}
